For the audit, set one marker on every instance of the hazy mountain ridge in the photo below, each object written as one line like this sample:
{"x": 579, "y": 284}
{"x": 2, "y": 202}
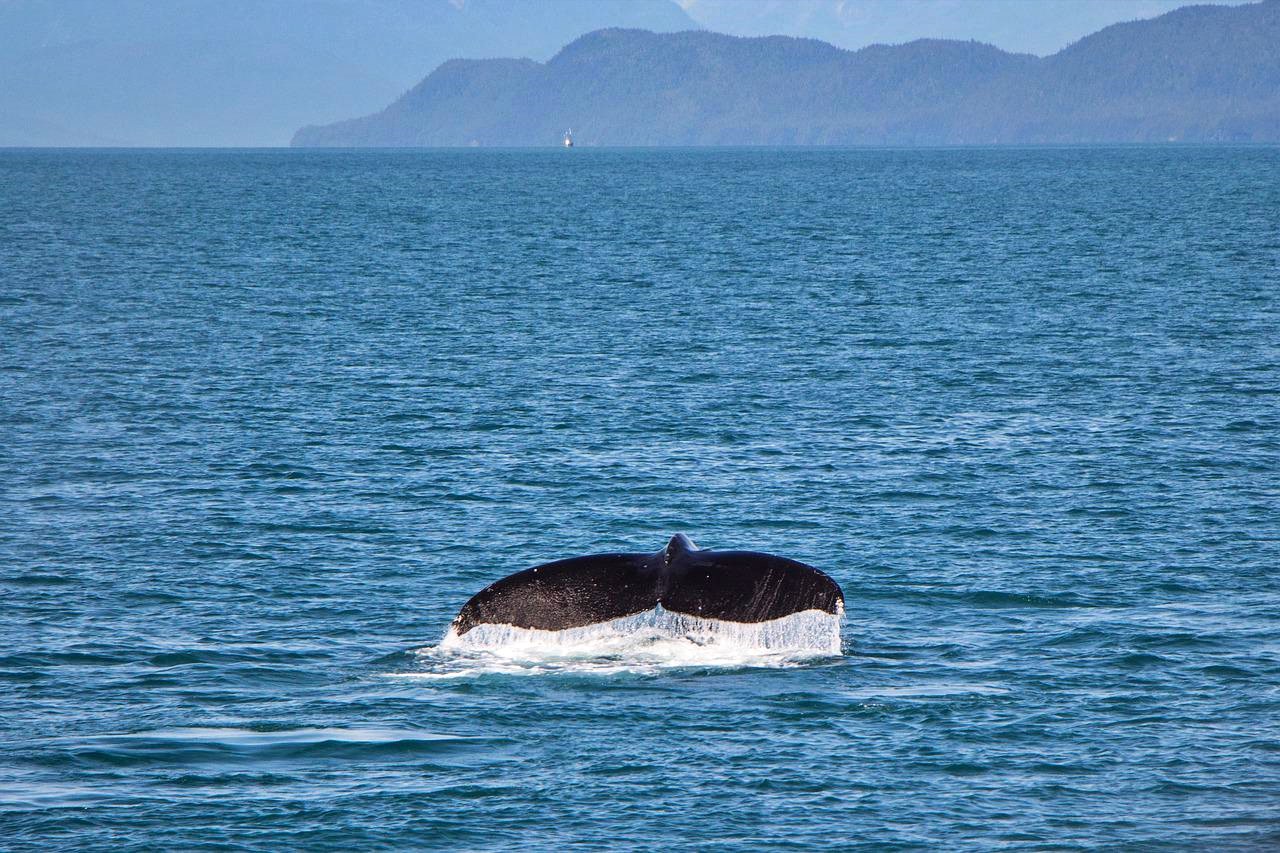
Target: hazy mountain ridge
{"x": 1041, "y": 27}
{"x": 1200, "y": 73}
{"x": 249, "y": 72}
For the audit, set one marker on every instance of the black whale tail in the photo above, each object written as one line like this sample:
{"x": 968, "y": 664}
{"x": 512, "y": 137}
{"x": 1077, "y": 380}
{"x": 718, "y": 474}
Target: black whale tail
{"x": 735, "y": 586}
{"x": 679, "y": 546}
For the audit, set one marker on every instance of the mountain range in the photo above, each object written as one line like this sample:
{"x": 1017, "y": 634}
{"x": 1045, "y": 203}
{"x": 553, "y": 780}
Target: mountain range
{"x": 1040, "y": 27}
{"x": 1199, "y": 73}
{"x": 250, "y": 72}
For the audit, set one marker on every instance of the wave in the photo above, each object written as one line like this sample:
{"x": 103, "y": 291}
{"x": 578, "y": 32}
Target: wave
{"x": 201, "y": 745}
{"x": 647, "y": 642}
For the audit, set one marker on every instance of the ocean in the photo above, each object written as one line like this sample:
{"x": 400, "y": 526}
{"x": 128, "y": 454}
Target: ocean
{"x": 269, "y": 418}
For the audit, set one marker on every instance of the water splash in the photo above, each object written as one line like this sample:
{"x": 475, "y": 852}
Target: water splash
{"x": 647, "y": 642}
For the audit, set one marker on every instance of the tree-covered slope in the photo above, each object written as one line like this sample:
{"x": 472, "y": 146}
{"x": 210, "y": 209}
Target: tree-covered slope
{"x": 249, "y": 72}
{"x": 1199, "y": 73}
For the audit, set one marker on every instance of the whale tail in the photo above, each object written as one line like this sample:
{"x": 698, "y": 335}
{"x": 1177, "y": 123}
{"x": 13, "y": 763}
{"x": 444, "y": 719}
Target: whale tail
{"x": 735, "y": 586}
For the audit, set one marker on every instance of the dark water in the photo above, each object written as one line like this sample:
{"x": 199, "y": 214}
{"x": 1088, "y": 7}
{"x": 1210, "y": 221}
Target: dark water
{"x": 269, "y": 418}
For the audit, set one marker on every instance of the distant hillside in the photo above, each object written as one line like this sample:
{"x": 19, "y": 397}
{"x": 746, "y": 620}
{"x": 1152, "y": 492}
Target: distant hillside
{"x": 1041, "y": 27}
{"x": 1201, "y": 73}
{"x": 249, "y": 72}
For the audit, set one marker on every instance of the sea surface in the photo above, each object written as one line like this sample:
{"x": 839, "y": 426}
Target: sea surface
{"x": 268, "y": 418}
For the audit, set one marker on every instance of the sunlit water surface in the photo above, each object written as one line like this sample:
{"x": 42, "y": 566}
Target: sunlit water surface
{"x": 270, "y": 418}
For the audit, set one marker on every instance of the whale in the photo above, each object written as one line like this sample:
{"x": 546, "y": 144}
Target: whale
{"x": 733, "y": 586}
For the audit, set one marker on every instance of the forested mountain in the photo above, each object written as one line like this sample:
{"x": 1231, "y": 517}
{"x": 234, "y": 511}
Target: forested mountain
{"x": 249, "y": 72}
{"x": 1041, "y": 27}
{"x": 1199, "y": 73}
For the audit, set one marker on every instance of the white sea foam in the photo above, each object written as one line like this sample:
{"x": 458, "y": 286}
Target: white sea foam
{"x": 647, "y": 642}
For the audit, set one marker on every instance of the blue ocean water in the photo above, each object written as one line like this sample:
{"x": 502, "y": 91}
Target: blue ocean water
{"x": 267, "y": 419}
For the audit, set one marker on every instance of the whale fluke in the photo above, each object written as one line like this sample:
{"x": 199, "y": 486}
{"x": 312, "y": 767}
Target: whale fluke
{"x": 735, "y": 586}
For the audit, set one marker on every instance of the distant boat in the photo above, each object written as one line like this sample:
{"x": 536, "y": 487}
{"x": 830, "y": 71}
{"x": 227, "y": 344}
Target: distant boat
{"x": 568, "y": 139}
